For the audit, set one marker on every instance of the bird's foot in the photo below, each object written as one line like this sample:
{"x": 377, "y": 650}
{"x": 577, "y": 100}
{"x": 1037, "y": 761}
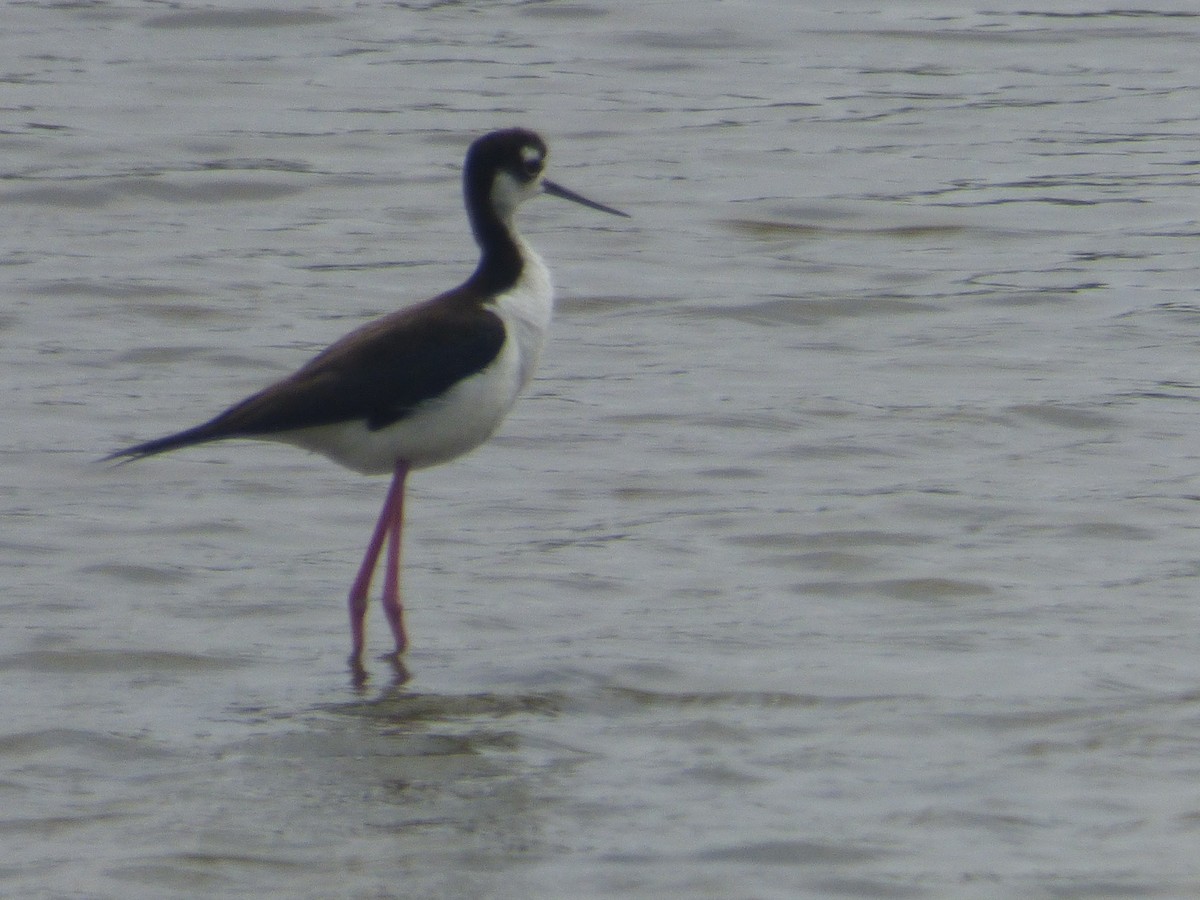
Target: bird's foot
{"x": 358, "y": 672}
{"x": 400, "y": 673}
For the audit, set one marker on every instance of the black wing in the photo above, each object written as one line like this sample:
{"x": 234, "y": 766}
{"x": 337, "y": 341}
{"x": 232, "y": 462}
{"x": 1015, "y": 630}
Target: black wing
{"x": 378, "y": 374}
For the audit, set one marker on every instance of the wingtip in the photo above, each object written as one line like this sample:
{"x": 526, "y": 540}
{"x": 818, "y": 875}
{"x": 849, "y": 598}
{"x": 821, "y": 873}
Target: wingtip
{"x": 120, "y": 457}
{"x": 150, "y": 448}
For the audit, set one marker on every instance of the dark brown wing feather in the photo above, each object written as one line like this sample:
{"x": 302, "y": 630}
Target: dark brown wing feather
{"x": 377, "y": 374}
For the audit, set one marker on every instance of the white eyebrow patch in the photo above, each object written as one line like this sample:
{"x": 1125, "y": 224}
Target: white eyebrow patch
{"x": 531, "y": 154}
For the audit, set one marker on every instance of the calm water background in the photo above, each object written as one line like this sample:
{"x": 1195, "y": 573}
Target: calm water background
{"x": 844, "y": 547}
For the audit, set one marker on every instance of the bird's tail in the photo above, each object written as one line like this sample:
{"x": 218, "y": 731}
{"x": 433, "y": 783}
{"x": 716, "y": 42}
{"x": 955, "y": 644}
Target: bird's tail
{"x": 198, "y": 435}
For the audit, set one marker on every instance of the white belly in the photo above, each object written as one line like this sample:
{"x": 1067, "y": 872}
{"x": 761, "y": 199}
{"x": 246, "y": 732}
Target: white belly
{"x": 467, "y": 414}
{"x": 435, "y": 432}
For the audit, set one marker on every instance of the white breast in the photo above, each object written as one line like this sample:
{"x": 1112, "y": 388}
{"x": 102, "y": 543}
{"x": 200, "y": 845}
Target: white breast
{"x": 526, "y": 309}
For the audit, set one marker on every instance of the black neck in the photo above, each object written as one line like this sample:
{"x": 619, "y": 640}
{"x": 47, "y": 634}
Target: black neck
{"x": 500, "y": 259}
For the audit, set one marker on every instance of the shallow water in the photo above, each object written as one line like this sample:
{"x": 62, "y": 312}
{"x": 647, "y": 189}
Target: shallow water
{"x": 843, "y": 547}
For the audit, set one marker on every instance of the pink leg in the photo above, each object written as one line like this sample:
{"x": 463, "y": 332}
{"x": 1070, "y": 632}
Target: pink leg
{"x": 391, "y": 584}
{"x": 362, "y": 583}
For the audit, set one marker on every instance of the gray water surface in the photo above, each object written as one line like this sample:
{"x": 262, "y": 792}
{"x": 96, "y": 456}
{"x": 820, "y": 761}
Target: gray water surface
{"x": 845, "y": 545}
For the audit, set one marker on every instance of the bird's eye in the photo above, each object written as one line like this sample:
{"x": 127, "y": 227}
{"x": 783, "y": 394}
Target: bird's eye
{"x": 532, "y": 161}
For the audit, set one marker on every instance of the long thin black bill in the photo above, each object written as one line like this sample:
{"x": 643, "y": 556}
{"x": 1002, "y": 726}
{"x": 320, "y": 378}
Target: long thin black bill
{"x": 557, "y": 190}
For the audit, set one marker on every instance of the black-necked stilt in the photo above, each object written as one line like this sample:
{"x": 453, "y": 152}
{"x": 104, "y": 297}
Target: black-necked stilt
{"x": 424, "y": 384}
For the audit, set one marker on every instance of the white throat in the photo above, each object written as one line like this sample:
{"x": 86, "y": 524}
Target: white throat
{"x": 508, "y": 193}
